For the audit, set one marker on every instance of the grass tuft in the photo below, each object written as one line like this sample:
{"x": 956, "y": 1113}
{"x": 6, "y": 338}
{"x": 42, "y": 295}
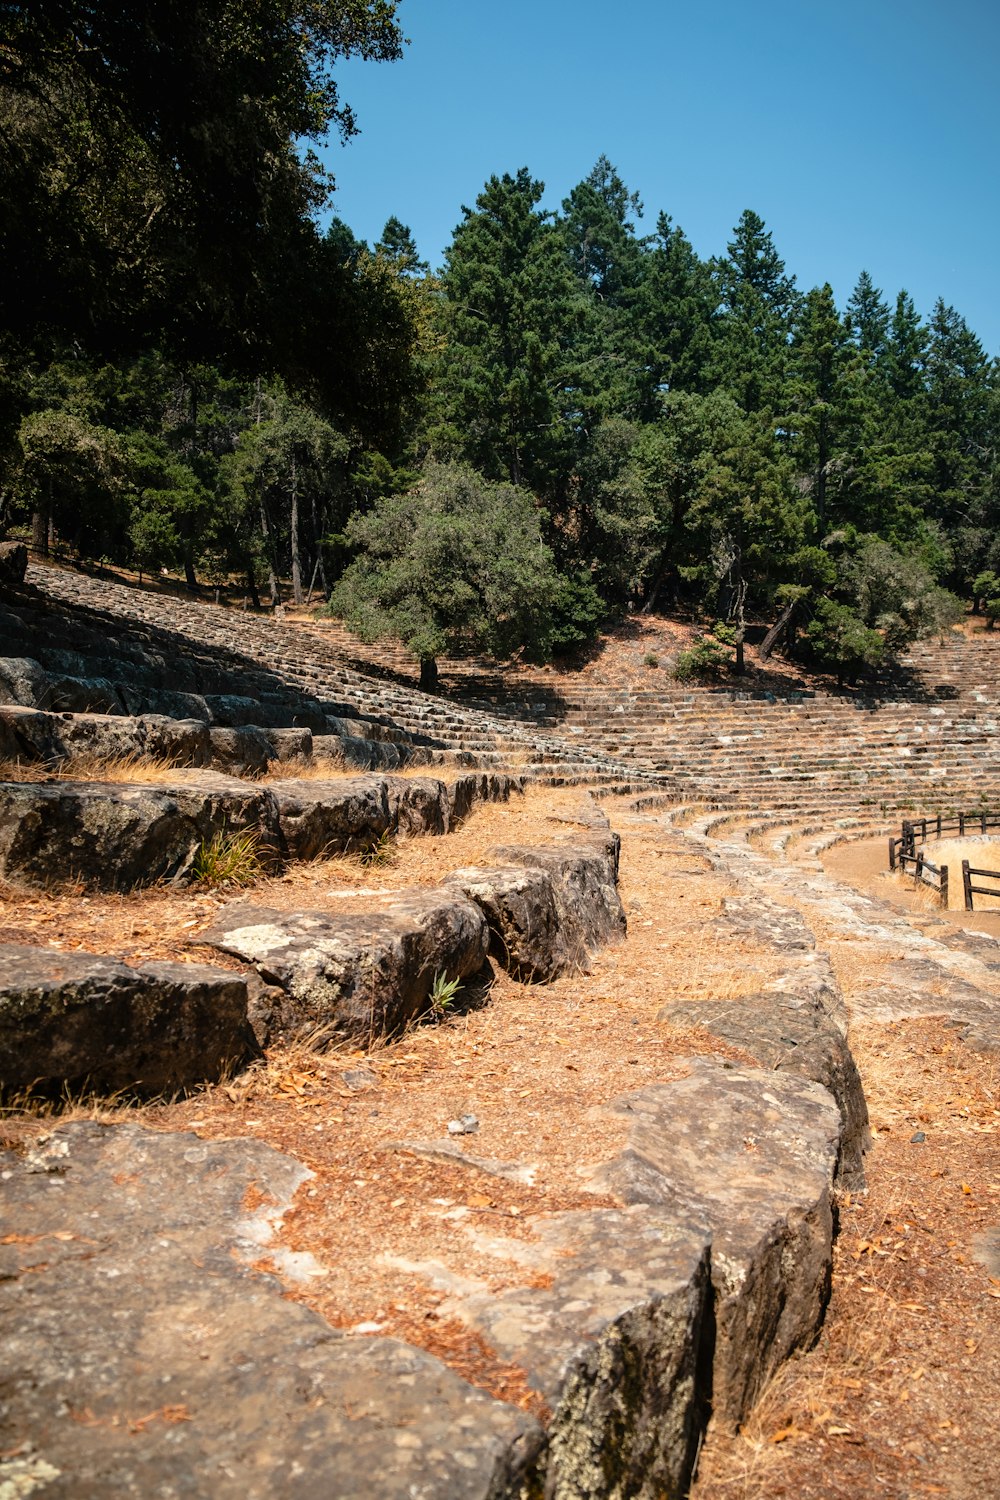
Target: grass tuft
{"x": 228, "y": 859}
{"x": 379, "y": 853}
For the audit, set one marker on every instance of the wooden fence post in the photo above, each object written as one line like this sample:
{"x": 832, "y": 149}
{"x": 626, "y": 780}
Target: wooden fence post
{"x": 944, "y": 885}
{"x": 892, "y": 854}
{"x": 967, "y": 884}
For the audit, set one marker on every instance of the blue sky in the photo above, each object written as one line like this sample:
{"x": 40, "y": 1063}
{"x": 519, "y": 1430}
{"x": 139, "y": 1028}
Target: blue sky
{"x": 866, "y": 135}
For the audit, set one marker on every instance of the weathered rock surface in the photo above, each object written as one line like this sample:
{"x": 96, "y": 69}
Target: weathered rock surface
{"x": 363, "y": 974}
{"x": 464, "y": 792}
{"x": 143, "y": 1357}
{"x": 117, "y": 836}
{"x": 321, "y": 817}
{"x": 789, "y": 1034}
{"x": 614, "y": 1345}
{"x": 21, "y": 680}
{"x": 765, "y": 922}
{"x": 84, "y": 1019}
{"x": 31, "y": 734}
{"x": 241, "y": 750}
{"x": 585, "y": 890}
{"x": 13, "y": 563}
{"x": 519, "y": 905}
{"x": 748, "y": 1156}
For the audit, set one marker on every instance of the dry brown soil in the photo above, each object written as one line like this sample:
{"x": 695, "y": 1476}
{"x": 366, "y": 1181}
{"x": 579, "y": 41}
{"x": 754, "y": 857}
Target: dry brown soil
{"x": 897, "y": 1399}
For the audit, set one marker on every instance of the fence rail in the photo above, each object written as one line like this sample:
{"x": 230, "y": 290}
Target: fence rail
{"x": 905, "y": 856}
{"x": 936, "y": 827}
{"x": 925, "y": 873}
{"x": 979, "y": 890}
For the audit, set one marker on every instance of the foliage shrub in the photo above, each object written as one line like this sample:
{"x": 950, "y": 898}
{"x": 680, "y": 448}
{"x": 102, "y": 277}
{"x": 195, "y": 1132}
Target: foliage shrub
{"x": 707, "y": 655}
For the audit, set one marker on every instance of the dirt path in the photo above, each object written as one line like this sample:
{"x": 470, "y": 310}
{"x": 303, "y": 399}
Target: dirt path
{"x": 898, "y": 1399}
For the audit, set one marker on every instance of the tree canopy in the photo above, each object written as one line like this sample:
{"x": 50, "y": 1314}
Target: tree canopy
{"x": 576, "y": 415}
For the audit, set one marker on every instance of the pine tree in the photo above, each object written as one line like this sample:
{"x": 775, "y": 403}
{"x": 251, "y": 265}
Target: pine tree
{"x": 906, "y": 350}
{"x": 509, "y": 395}
{"x": 397, "y": 245}
{"x": 868, "y": 316}
{"x": 677, "y": 315}
{"x": 598, "y": 226}
{"x": 759, "y": 302}
{"x": 825, "y": 390}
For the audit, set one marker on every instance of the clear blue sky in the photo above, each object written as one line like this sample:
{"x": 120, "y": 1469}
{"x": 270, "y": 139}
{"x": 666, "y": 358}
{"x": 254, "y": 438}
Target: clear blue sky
{"x": 866, "y": 135}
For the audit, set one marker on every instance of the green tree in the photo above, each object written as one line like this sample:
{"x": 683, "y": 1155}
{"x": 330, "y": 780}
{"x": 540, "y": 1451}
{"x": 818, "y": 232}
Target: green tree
{"x": 151, "y": 175}
{"x": 882, "y": 600}
{"x": 608, "y": 260}
{"x": 70, "y": 477}
{"x": 759, "y": 302}
{"x": 170, "y": 510}
{"x": 840, "y": 640}
{"x": 456, "y": 562}
{"x": 728, "y": 519}
{"x": 906, "y": 350}
{"x": 677, "y": 316}
{"x": 825, "y": 398}
{"x": 397, "y": 245}
{"x": 290, "y": 463}
{"x": 868, "y": 316}
{"x": 508, "y": 393}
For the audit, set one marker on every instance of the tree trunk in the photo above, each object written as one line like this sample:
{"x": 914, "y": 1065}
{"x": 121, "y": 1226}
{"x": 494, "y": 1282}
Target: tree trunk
{"x": 40, "y": 532}
{"x": 739, "y": 613}
{"x": 272, "y": 576}
{"x": 297, "y": 594}
{"x": 318, "y": 544}
{"x": 189, "y": 578}
{"x": 428, "y": 674}
{"x": 312, "y": 581}
{"x": 654, "y": 593}
{"x": 776, "y": 631}
{"x": 251, "y": 579}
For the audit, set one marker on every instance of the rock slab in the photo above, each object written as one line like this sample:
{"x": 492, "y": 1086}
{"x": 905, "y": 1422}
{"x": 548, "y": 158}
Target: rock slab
{"x": 749, "y": 1156}
{"x": 85, "y": 1020}
{"x": 585, "y": 890}
{"x": 790, "y": 1034}
{"x": 519, "y": 905}
{"x": 362, "y": 974}
{"x": 614, "y": 1345}
{"x": 143, "y": 1356}
{"x": 116, "y": 836}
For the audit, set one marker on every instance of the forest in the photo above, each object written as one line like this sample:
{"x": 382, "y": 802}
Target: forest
{"x": 574, "y": 417}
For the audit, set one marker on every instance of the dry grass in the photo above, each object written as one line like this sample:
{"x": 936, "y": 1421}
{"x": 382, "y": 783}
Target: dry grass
{"x": 111, "y": 768}
{"x": 982, "y": 853}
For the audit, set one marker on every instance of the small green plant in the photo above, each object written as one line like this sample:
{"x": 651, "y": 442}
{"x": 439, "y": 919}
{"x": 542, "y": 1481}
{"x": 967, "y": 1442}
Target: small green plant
{"x": 378, "y": 852}
{"x": 706, "y": 656}
{"x": 987, "y": 588}
{"x": 228, "y": 859}
{"x": 651, "y": 659}
{"x": 443, "y": 994}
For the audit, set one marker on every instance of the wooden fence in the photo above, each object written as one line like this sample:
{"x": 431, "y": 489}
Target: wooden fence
{"x": 978, "y": 890}
{"x": 905, "y": 856}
